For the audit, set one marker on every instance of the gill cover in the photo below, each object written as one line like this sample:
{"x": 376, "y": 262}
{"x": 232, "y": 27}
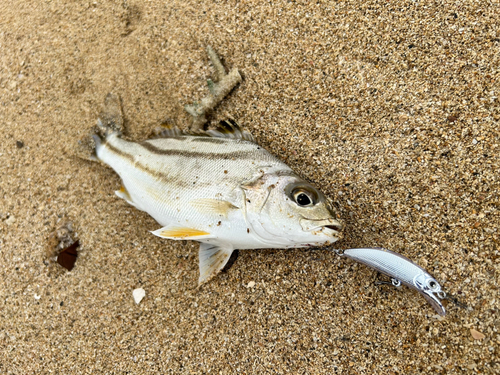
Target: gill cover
{"x": 281, "y": 208}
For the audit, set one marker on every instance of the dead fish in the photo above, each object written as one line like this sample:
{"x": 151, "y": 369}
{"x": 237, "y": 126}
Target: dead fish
{"x": 217, "y": 187}
{"x": 402, "y": 271}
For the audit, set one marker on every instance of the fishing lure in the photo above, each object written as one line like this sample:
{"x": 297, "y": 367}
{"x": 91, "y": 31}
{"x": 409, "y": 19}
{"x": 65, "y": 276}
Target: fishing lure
{"x": 401, "y": 270}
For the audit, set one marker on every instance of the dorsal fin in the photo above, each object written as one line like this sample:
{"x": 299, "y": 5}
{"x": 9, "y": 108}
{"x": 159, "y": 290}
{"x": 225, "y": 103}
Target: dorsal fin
{"x": 230, "y": 129}
{"x": 225, "y": 129}
{"x": 167, "y": 130}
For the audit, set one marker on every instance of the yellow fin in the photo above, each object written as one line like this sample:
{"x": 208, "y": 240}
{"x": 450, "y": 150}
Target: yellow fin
{"x": 213, "y": 206}
{"x": 123, "y": 193}
{"x": 181, "y": 233}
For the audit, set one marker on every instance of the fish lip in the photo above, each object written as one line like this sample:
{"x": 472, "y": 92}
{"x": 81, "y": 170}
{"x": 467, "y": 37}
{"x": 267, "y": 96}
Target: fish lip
{"x": 331, "y": 232}
{"x": 329, "y": 227}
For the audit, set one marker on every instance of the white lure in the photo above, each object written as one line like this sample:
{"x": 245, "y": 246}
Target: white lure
{"x": 401, "y": 270}
{"x": 217, "y": 187}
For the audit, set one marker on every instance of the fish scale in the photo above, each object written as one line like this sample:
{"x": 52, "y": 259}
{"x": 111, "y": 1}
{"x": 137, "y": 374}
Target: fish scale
{"x": 154, "y": 177}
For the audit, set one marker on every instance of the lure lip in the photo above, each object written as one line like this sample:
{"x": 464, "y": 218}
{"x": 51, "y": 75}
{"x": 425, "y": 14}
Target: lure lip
{"x": 402, "y": 269}
{"x": 435, "y": 302}
{"x": 429, "y": 288}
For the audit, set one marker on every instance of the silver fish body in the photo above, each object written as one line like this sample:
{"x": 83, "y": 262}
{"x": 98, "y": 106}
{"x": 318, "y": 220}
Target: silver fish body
{"x": 189, "y": 181}
{"x": 219, "y": 188}
{"x": 402, "y": 269}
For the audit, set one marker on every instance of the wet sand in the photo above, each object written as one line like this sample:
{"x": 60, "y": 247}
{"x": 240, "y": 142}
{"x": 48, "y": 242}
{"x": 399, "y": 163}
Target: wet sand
{"x": 391, "y": 109}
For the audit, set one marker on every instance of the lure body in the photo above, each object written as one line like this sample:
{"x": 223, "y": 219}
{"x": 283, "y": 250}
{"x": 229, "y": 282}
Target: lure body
{"x": 401, "y": 269}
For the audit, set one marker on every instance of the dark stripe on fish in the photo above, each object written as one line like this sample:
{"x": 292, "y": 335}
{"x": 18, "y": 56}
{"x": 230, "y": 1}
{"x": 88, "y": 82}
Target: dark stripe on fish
{"x": 231, "y": 155}
{"x": 160, "y": 175}
{"x": 153, "y": 173}
{"x": 118, "y": 152}
{"x": 209, "y": 140}
{"x": 135, "y": 163}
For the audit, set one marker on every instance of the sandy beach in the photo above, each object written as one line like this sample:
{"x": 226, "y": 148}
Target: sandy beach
{"x": 390, "y": 108}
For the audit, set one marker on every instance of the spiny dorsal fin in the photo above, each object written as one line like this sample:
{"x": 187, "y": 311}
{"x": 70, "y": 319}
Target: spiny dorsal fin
{"x": 230, "y": 129}
{"x": 225, "y": 129}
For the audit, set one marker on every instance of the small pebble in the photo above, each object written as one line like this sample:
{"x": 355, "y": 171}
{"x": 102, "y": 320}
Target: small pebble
{"x": 251, "y": 284}
{"x": 138, "y": 294}
{"x": 11, "y": 220}
{"x": 476, "y": 334}
{"x": 19, "y": 144}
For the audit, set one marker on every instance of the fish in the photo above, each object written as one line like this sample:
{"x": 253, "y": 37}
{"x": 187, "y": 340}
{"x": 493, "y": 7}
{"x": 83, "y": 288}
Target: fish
{"x": 217, "y": 187}
{"x": 401, "y": 270}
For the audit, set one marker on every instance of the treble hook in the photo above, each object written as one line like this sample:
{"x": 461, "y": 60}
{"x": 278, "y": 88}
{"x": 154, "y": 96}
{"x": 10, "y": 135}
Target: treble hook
{"x": 395, "y": 282}
{"x": 454, "y": 300}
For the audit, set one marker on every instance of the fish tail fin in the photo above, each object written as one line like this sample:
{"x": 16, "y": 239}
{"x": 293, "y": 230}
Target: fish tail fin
{"x": 98, "y": 141}
{"x": 110, "y": 119}
{"x": 110, "y": 122}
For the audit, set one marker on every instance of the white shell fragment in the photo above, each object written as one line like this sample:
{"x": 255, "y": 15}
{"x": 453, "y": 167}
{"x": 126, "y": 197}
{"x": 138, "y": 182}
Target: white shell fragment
{"x": 251, "y": 284}
{"x": 138, "y": 294}
{"x": 476, "y": 334}
{"x": 11, "y": 220}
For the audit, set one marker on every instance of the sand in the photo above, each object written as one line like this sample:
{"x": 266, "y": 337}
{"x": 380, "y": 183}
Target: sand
{"x": 391, "y": 108}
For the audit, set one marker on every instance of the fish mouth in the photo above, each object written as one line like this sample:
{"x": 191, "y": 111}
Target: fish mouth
{"x": 332, "y": 230}
{"x": 329, "y": 227}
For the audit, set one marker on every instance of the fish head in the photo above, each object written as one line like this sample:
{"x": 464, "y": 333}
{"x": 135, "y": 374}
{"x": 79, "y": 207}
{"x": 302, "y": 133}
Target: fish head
{"x": 287, "y": 211}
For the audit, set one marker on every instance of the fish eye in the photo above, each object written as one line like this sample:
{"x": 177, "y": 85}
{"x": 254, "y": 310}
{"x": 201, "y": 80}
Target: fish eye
{"x": 303, "y": 194}
{"x": 302, "y": 198}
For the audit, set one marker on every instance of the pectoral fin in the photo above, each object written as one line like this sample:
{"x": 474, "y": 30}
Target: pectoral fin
{"x": 213, "y": 206}
{"x": 174, "y": 232}
{"x": 213, "y": 257}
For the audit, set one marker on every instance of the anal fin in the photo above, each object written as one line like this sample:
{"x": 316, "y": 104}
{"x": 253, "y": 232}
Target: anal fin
{"x": 213, "y": 257}
{"x": 123, "y": 193}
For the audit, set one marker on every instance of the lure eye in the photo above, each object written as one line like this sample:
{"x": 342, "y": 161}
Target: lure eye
{"x": 433, "y": 284}
{"x": 302, "y": 198}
